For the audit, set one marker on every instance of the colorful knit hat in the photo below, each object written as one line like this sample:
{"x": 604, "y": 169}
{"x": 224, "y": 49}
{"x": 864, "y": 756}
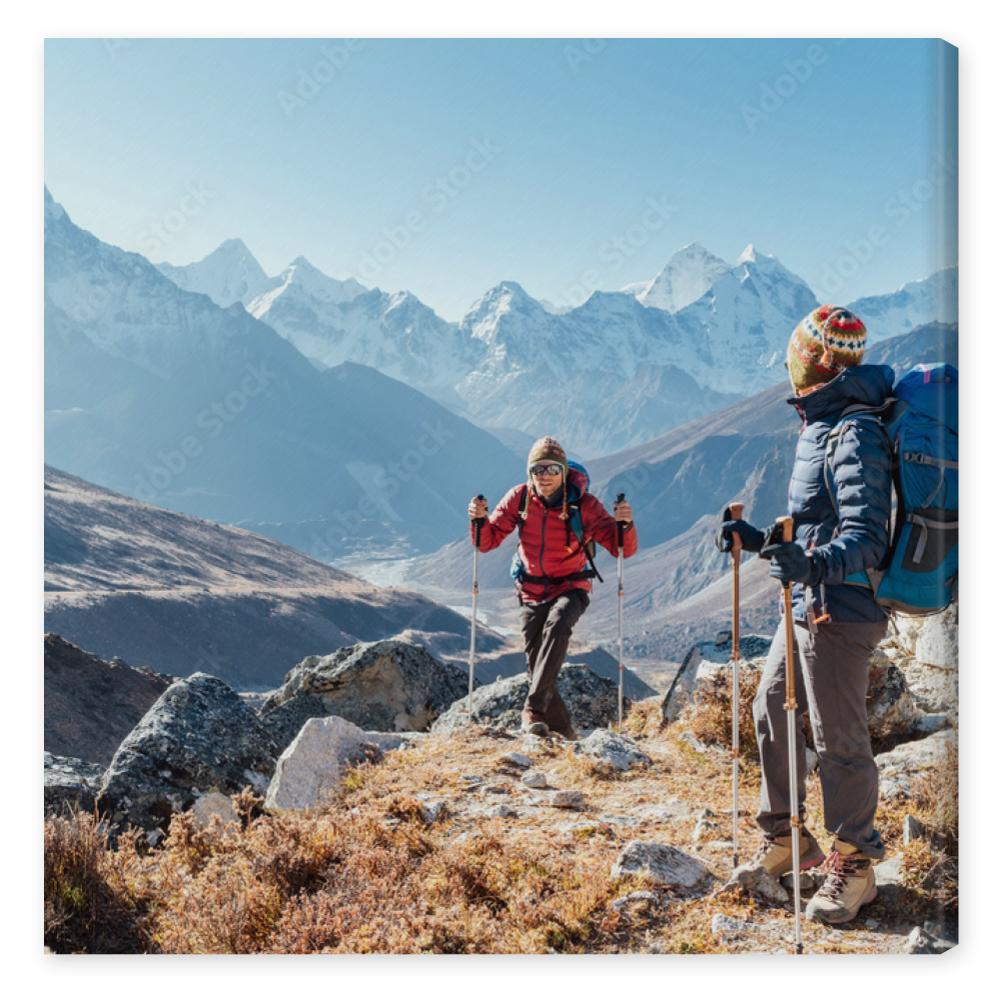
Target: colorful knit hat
{"x": 548, "y": 449}
{"x": 826, "y": 342}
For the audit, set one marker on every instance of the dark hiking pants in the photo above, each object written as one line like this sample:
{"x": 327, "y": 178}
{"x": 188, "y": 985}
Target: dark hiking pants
{"x": 831, "y": 681}
{"x": 547, "y": 629}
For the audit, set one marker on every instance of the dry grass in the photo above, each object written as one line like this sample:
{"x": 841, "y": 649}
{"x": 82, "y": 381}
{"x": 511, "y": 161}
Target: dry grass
{"x": 709, "y": 717}
{"x": 369, "y": 874}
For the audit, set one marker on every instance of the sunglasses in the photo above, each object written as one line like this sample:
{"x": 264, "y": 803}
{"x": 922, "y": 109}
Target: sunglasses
{"x": 546, "y": 470}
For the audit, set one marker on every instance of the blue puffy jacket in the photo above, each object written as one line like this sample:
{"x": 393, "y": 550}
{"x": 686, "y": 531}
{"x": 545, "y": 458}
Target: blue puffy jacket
{"x": 862, "y": 481}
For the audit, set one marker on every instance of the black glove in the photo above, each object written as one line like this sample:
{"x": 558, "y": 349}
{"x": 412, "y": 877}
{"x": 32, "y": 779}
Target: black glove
{"x": 790, "y": 564}
{"x": 752, "y": 538}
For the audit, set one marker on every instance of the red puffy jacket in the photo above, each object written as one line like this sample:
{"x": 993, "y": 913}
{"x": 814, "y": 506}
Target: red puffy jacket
{"x": 543, "y": 540}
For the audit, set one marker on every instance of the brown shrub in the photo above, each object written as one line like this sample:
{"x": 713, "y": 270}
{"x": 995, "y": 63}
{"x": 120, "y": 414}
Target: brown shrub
{"x": 88, "y": 907}
{"x": 709, "y": 717}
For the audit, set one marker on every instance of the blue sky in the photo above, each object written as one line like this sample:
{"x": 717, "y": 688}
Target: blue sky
{"x": 446, "y": 166}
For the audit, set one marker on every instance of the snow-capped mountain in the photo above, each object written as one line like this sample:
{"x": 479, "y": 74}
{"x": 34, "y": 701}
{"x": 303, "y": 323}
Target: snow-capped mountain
{"x": 933, "y": 300}
{"x": 332, "y": 322}
{"x": 230, "y": 273}
{"x": 159, "y": 393}
{"x": 685, "y": 278}
{"x": 744, "y": 321}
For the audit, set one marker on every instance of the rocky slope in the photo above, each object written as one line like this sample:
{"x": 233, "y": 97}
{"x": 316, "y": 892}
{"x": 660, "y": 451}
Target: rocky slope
{"x": 641, "y": 816}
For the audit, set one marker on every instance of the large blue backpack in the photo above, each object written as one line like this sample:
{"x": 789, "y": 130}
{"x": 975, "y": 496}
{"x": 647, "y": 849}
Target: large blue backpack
{"x": 919, "y": 575}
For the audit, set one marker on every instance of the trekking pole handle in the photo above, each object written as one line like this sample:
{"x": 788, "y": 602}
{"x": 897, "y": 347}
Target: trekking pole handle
{"x": 478, "y": 522}
{"x": 621, "y": 524}
{"x": 787, "y": 528}
{"x": 735, "y": 512}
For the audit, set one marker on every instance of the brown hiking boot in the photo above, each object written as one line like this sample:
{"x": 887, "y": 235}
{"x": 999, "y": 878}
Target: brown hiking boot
{"x": 533, "y": 723}
{"x": 849, "y": 884}
{"x": 775, "y": 855}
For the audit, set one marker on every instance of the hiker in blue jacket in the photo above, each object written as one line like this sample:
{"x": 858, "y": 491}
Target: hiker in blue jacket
{"x": 840, "y": 497}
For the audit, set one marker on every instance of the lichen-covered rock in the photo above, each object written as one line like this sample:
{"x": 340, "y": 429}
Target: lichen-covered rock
{"x": 617, "y": 751}
{"x": 388, "y": 685}
{"x": 214, "y": 804}
{"x": 755, "y": 880}
{"x": 311, "y": 768}
{"x": 592, "y": 701}
{"x": 663, "y": 864}
{"x": 704, "y": 663}
{"x": 199, "y": 736}
{"x": 891, "y": 709}
{"x": 900, "y": 766}
{"x": 70, "y": 783}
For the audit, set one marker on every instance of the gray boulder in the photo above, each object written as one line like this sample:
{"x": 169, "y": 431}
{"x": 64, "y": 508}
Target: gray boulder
{"x": 705, "y": 663}
{"x": 891, "y": 709}
{"x": 592, "y": 701}
{"x": 198, "y": 737}
{"x": 388, "y": 685}
{"x": 310, "y": 769}
{"x": 664, "y": 864}
{"x": 70, "y": 783}
{"x": 620, "y": 752}
{"x": 900, "y": 766}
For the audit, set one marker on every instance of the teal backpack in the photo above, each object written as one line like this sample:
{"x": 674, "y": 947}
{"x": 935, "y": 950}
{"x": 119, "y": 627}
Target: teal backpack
{"x": 919, "y": 575}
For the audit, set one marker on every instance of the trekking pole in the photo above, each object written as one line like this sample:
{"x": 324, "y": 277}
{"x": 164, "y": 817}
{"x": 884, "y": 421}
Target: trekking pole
{"x": 735, "y": 513}
{"x": 621, "y": 616}
{"x": 478, "y": 523}
{"x": 791, "y": 706}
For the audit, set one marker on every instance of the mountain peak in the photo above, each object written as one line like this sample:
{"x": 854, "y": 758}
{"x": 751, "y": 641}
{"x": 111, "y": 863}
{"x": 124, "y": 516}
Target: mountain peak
{"x": 687, "y": 275}
{"x": 749, "y": 255}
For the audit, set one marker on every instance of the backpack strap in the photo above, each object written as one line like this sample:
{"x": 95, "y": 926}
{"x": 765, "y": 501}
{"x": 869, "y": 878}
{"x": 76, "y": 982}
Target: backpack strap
{"x": 574, "y": 523}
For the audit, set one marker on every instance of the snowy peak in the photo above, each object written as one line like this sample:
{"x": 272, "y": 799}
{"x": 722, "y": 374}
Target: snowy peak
{"x": 689, "y": 273}
{"x": 229, "y": 274}
{"x": 749, "y": 255}
{"x": 505, "y": 310}
{"x": 53, "y": 210}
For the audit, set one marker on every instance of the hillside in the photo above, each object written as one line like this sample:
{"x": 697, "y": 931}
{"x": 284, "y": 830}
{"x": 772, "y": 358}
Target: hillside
{"x": 180, "y": 594}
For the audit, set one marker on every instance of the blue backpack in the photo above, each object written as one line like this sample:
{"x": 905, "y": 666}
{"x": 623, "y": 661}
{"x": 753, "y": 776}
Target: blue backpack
{"x": 919, "y": 575}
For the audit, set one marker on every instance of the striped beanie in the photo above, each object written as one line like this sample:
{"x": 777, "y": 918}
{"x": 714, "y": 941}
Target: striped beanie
{"x": 826, "y": 342}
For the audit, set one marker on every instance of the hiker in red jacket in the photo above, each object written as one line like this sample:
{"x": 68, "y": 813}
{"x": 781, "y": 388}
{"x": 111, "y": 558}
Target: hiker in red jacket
{"x": 552, "y": 566}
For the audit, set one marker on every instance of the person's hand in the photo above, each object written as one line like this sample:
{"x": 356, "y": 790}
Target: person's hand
{"x": 477, "y": 508}
{"x": 623, "y": 512}
{"x": 790, "y": 564}
{"x": 752, "y": 538}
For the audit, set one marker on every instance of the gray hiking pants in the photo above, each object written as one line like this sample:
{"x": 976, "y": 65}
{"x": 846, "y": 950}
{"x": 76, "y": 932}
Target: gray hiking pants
{"x": 547, "y": 629}
{"x": 831, "y": 680}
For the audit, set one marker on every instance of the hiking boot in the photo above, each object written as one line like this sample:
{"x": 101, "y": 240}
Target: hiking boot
{"x": 849, "y": 884}
{"x": 775, "y": 855}
{"x": 533, "y": 723}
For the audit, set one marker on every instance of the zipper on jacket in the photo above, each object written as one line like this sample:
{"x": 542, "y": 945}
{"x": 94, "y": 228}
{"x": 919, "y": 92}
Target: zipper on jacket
{"x": 541, "y": 551}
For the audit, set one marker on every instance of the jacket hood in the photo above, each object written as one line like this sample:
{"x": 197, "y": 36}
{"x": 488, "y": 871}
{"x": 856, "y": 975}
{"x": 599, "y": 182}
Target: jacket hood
{"x": 867, "y": 385}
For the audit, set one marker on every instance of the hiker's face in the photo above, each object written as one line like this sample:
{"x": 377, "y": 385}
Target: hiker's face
{"x": 547, "y": 478}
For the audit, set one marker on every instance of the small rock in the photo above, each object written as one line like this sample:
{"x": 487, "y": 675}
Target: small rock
{"x": 611, "y": 820}
{"x": 920, "y": 942}
{"x": 812, "y": 760}
{"x": 694, "y": 743}
{"x": 496, "y": 789}
{"x": 871, "y": 923}
{"x": 931, "y": 722}
{"x": 643, "y": 896}
{"x": 806, "y": 882}
{"x": 567, "y": 799}
{"x": 214, "y": 804}
{"x": 502, "y": 811}
{"x": 618, "y": 751}
{"x": 535, "y": 779}
{"x": 432, "y": 809}
{"x": 725, "y": 927}
{"x": 673, "y": 808}
{"x": 900, "y": 766}
{"x": 755, "y": 880}
{"x": 705, "y": 827}
{"x": 664, "y": 864}
{"x": 720, "y": 845}
{"x": 516, "y": 759}
{"x": 913, "y": 829}
{"x": 888, "y": 872}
